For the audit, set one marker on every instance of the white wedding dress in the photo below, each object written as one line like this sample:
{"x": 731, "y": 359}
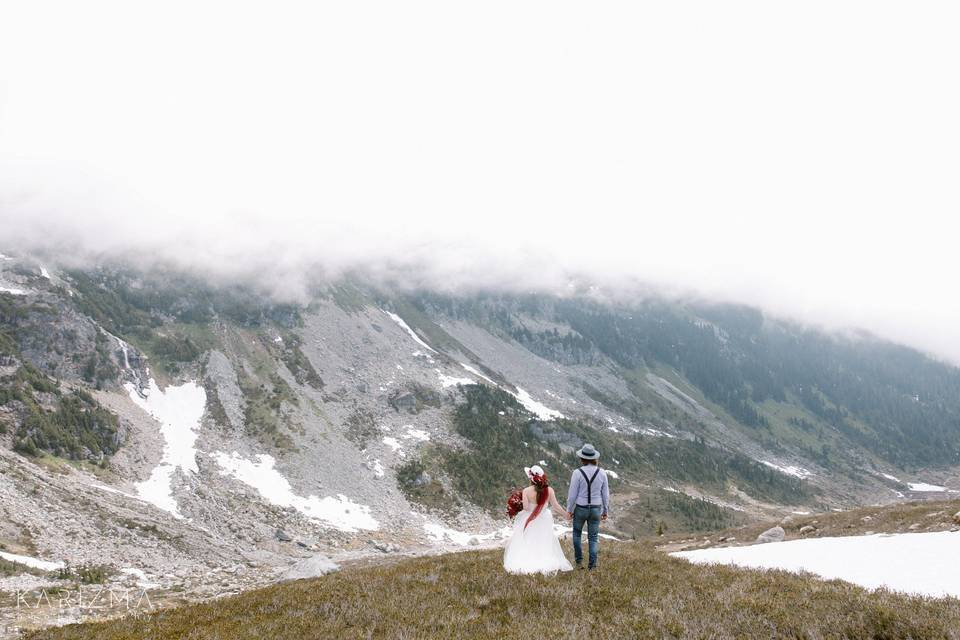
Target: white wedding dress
{"x": 536, "y": 548}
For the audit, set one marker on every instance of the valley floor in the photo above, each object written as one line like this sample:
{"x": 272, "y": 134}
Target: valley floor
{"x": 638, "y": 592}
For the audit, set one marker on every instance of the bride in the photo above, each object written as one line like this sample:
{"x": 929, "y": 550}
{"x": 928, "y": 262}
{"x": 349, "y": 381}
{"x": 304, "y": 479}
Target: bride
{"x": 533, "y": 547}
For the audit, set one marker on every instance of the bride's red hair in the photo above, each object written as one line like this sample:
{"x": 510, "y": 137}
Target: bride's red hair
{"x": 543, "y": 493}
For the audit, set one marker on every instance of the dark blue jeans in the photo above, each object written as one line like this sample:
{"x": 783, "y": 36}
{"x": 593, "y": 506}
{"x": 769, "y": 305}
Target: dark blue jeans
{"x": 590, "y": 515}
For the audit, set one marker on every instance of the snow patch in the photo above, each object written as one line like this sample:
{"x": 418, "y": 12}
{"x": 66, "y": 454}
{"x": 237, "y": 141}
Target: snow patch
{"x": 35, "y": 563}
{"x": 560, "y": 530}
{"x": 403, "y": 325}
{"x": 452, "y": 381}
{"x": 44, "y": 273}
{"x": 416, "y": 434}
{"x": 339, "y": 512}
{"x": 656, "y": 433}
{"x": 440, "y": 534}
{"x": 540, "y": 410}
{"x": 796, "y": 472}
{"x": 117, "y": 491}
{"x": 923, "y": 487}
{"x": 142, "y": 580}
{"x": 890, "y": 477}
{"x": 13, "y": 291}
{"x": 477, "y": 373}
{"x": 613, "y": 474}
{"x": 913, "y": 563}
{"x": 178, "y": 409}
{"x": 394, "y": 444}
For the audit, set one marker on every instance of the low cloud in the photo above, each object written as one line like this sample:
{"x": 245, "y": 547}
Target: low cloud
{"x": 714, "y": 153}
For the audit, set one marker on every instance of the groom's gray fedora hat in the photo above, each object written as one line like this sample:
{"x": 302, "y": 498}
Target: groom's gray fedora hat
{"x": 587, "y": 452}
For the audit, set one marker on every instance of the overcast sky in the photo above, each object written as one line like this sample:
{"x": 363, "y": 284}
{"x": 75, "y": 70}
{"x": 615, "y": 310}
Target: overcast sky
{"x": 802, "y": 156}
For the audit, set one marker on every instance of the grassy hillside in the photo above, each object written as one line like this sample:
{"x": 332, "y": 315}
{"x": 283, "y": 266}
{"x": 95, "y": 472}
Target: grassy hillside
{"x": 636, "y": 593}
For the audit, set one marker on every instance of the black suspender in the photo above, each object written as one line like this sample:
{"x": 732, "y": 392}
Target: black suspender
{"x": 589, "y": 484}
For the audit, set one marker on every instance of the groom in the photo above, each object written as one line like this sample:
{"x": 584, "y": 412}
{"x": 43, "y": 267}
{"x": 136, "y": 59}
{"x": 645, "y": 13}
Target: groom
{"x": 588, "y": 501}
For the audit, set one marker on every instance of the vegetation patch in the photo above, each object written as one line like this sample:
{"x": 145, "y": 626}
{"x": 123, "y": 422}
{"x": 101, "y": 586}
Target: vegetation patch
{"x": 362, "y": 427}
{"x": 660, "y": 511}
{"x": 77, "y": 427}
{"x": 298, "y": 363}
{"x": 8, "y": 568}
{"x": 419, "y": 486}
{"x": 265, "y": 416}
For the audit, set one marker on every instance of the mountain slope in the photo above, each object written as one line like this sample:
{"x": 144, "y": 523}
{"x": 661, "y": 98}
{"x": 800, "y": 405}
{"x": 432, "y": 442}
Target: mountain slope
{"x": 210, "y": 437}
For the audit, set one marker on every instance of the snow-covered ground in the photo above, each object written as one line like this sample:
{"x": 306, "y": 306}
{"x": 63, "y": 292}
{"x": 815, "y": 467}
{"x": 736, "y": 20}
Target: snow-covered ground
{"x": 178, "y": 409}
{"x": 790, "y": 470}
{"x": 438, "y": 533}
{"x": 339, "y": 512}
{"x": 12, "y": 291}
{"x": 43, "y": 565}
{"x": 477, "y": 373}
{"x": 536, "y": 408}
{"x": 452, "y": 381}
{"x": 919, "y": 563}
{"x": 923, "y": 487}
{"x": 656, "y": 433}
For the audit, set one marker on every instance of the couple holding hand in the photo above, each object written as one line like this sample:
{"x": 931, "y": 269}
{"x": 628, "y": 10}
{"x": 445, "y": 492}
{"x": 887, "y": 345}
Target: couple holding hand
{"x": 533, "y": 547}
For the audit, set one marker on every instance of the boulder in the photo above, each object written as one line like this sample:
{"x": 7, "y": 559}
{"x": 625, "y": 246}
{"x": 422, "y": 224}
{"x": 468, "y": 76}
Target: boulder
{"x": 956, "y": 517}
{"x": 283, "y": 536}
{"x": 787, "y": 520}
{"x": 776, "y": 534}
{"x": 914, "y": 527}
{"x": 806, "y": 529}
{"x": 311, "y": 567}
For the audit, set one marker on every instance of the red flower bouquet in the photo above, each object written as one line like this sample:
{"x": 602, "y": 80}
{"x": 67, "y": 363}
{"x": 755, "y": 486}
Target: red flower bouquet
{"x": 515, "y": 503}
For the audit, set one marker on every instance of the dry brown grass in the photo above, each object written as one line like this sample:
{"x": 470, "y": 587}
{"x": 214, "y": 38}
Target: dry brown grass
{"x": 637, "y": 593}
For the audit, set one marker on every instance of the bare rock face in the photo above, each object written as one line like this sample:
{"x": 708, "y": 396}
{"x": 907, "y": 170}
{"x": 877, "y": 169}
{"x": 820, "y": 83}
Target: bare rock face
{"x": 311, "y": 567}
{"x": 221, "y": 382}
{"x": 776, "y": 534}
